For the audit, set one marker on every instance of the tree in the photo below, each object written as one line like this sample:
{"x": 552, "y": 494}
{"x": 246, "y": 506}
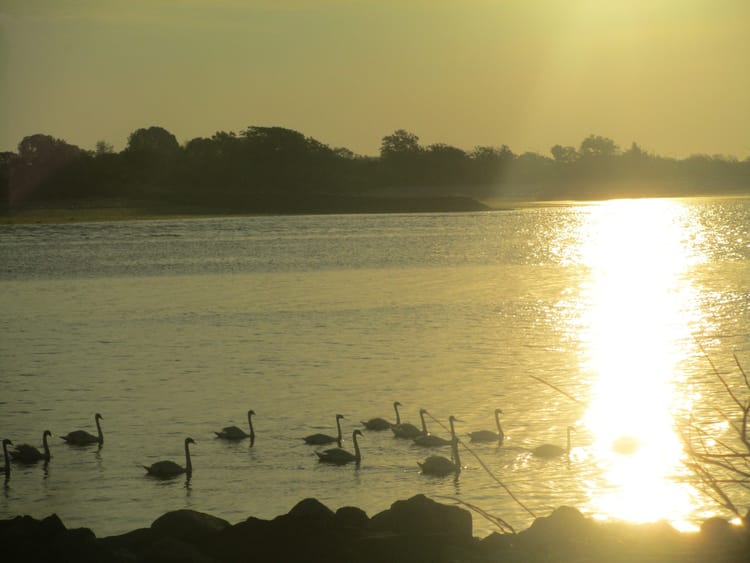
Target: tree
{"x": 445, "y": 165}
{"x": 155, "y": 141}
{"x": 40, "y": 171}
{"x": 564, "y": 155}
{"x": 596, "y": 146}
{"x": 103, "y": 147}
{"x": 400, "y": 143}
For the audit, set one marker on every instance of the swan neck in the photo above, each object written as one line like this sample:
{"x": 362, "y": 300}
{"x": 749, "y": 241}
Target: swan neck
{"x": 99, "y": 430}
{"x": 338, "y": 430}
{"x": 424, "y": 424}
{"x": 357, "y": 454}
{"x": 252, "y": 432}
{"x": 454, "y": 444}
{"x": 46, "y": 446}
{"x": 188, "y": 463}
{"x": 398, "y": 416}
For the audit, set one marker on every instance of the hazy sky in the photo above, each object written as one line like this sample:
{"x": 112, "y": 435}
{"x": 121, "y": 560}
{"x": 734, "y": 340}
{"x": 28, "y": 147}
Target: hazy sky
{"x": 673, "y": 75}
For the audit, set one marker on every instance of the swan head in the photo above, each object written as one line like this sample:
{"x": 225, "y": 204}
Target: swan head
{"x": 339, "y": 417}
{"x": 97, "y": 416}
{"x": 396, "y": 404}
{"x": 357, "y": 433}
{"x": 498, "y": 411}
{"x": 189, "y": 441}
{"x": 251, "y": 412}
{"x": 7, "y": 442}
{"x": 46, "y": 433}
{"x": 423, "y": 411}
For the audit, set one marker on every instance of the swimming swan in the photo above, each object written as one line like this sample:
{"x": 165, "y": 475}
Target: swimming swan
{"x": 323, "y": 439}
{"x": 409, "y": 431}
{"x": 236, "y": 433}
{"x": 381, "y": 423}
{"x": 25, "y": 453}
{"x": 341, "y": 457}
{"x": 490, "y": 435}
{"x": 167, "y": 469}
{"x": 550, "y": 450}
{"x": 430, "y": 440}
{"x": 82, "y": 438}
{"x": 440, "y": 466}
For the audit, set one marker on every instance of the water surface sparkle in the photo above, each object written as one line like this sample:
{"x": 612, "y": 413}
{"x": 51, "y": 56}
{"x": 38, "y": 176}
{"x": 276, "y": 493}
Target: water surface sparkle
{"x": 637, "y": 331}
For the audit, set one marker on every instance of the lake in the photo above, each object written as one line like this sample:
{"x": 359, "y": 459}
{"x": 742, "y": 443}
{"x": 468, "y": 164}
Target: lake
{"x": 584, "y": 315}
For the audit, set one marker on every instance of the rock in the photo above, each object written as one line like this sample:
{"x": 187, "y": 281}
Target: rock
{"x": 50, "y": 526}
{"x": 563, "y": 534}
{"x": 421, "y": 515}
{"x": 188, "y": 525}
{"x": 312, "y": 509}
{"x": 169, "y": 549}
{"x": 131, "y": 545}
{"x": 716, "y": 529}
{"x": 79, "y": 545}
{"x": 247, "y": 541}
{"x": 351, "y": 519}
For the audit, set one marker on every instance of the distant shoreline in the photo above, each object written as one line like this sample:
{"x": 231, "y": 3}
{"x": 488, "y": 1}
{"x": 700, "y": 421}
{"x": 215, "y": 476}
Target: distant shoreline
{"x": 85, "y": 212}
{"x": 88, "y": 212}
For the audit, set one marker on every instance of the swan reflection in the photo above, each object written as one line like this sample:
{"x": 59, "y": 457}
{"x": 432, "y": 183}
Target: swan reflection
{"x": 636, "y": 333}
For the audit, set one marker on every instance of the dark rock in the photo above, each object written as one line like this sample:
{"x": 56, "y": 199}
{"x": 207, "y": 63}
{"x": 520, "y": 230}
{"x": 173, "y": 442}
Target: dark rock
{"x": 401, "y": 548}
{"x": 188, "y": 525}
{"x": 131, "y": 545}
{"x": 563, "y": 534}
{"x": 169, "y": 549}
{"x": 722, "y": 541}
{"x": 50, "y": 526}
{"x": 351, "y": 519}
{"x": 421, "y": 515}
{"x": 79, "y": 545}
{"x": 312, "y": 509}
{"x": 26, "y": 539}
{"x": 247, "y": 541}
{"x": 496, "y": 546}
{"x": 716, "y": 529}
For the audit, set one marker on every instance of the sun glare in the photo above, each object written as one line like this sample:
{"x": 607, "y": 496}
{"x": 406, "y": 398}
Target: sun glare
{"x": 636, "y": 330}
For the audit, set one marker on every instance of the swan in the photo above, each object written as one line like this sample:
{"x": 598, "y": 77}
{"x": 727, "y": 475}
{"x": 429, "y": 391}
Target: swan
{"x": 236, "y": 433}
{"x": 6, "y": 469}
{"x": 550, "y": 450}
{"x": 83, "y": 438}
{"x": 430, "y": 440}
{"x": 323, "y": 439}
{"x": 167, "y": 469}
{"x": 25, "y": 453}
{"x": 341, "y": 457}
{"x": 407, "y": 430}
{"x": 490, "y": 435}
{"x": 440, "y": 466}
{"x": 381, "y": 423}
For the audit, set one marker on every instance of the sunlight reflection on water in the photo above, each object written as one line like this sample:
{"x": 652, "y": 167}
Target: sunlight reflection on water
{"x": 638, "y": 330}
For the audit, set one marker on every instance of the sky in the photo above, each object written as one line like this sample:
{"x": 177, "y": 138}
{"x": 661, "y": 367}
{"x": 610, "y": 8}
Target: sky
{"x": 671, "y": 75}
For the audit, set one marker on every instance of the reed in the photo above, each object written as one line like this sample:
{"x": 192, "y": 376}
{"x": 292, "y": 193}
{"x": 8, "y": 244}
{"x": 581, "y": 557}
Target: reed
{"x": 720, "y": 464}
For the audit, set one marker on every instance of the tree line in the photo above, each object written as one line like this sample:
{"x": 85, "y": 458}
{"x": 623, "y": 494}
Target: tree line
{"x": 263, "y": 169}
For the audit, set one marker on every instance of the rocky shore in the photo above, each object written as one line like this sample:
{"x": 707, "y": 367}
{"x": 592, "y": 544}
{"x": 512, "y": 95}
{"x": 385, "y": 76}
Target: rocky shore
{"x": 415, "y": 530}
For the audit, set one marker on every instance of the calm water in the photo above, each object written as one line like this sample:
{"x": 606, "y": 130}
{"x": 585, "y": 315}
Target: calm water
{"x": 176, "y": 328}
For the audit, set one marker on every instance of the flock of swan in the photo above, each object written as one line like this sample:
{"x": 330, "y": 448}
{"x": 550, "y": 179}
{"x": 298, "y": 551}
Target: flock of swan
{"x": 433, "y": 465}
